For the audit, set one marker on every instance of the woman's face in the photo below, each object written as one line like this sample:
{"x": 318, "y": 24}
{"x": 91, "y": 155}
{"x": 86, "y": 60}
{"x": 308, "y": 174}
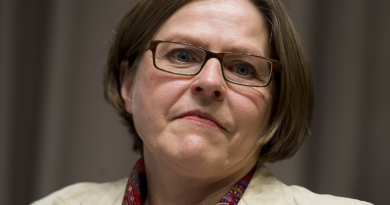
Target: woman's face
{"x": 202, "y": 125}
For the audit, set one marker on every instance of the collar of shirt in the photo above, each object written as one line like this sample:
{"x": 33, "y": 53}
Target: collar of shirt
{"x": 136, "y": 187}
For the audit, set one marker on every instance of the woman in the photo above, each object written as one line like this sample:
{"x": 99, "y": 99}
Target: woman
{"x": 210, "y": 89}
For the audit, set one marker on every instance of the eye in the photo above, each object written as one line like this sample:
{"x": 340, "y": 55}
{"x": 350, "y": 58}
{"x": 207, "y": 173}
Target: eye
{"x": 243, "y": 69}
{"x": 182, "y": 56}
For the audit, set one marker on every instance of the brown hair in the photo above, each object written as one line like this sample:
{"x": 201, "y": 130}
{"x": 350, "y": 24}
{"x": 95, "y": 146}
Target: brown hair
{"x": 294, "y": 91}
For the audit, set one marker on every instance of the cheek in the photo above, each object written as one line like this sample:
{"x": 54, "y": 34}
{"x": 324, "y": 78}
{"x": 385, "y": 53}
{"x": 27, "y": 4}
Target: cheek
{"x": 253, "y": 109}
{"x": 155, "y": 93}
{"x": 252, "y": 112}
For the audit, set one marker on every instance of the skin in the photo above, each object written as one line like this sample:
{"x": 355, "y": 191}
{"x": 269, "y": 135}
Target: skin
{"x": 192, "y": 159}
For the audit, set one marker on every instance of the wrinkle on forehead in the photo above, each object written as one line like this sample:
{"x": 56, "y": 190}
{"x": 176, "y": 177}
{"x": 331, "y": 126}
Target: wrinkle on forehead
{"x": 220, "y": 26}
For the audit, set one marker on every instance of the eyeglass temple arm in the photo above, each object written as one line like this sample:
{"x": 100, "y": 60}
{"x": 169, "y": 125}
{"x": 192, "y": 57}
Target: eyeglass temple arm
{"x": 147, "y": 47}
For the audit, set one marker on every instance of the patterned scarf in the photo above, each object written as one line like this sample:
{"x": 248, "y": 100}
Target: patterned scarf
{"x": 136, "y": 187}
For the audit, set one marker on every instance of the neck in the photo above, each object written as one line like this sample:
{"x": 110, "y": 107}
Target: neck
{"x": 168, "y": 186}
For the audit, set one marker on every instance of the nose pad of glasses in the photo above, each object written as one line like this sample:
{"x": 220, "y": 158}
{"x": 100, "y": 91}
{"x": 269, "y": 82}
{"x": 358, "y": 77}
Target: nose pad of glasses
{"x": 212, "y": 70}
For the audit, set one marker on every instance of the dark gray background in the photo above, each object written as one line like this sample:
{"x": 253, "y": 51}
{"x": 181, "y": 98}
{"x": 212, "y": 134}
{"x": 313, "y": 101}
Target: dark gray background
{"x": 56, "y": 129}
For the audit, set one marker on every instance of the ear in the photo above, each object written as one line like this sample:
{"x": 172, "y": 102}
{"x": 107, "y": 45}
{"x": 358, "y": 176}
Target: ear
{"x": 126, "y": 79}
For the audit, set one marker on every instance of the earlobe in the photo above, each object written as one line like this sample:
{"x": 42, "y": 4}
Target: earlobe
{"x": 126, "y": 79}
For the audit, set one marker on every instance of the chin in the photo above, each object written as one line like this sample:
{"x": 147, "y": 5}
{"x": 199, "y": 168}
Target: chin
{"x": 194, "y": 156}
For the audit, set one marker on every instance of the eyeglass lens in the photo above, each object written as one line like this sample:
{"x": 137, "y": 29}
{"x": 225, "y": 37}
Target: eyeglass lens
{"x": 188, "y": 60}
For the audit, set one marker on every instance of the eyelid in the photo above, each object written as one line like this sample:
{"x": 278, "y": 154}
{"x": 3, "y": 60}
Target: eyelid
{"x": 235, "y": 62}
{"x": 191, "y": 53}
{"x": 252, "y": 71}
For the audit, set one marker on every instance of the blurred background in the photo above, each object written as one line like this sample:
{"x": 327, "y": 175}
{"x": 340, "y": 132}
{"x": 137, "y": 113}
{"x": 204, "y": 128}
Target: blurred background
{"x": 56, "y": 129}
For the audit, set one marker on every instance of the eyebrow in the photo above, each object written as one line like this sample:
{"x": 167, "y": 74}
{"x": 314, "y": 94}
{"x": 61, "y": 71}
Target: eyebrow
{"x": 198, "y": 42}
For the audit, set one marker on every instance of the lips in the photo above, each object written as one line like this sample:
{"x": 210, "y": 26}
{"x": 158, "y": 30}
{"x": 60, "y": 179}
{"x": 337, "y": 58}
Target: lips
{"x": 202, "y": 117}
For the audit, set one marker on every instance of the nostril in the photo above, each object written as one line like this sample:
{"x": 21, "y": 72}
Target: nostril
{"x": 198, "y": 89}
{"x": 217, "y": 93}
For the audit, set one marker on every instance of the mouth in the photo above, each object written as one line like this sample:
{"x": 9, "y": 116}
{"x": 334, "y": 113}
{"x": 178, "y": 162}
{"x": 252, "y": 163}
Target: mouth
{"x": 201, "y": 117}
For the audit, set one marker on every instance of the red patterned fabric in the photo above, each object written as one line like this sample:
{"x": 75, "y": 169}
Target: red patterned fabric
{"x": 136, "y": 187}
{"x": 133, "y": 192}
{"x": 235, "y": 193}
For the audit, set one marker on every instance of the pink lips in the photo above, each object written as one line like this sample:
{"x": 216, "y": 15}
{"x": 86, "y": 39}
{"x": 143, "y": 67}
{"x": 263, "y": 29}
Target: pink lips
{"x": 201, "y": 117}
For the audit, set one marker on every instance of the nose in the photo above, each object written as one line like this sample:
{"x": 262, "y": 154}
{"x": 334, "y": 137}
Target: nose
{"x": 210, "y": 82}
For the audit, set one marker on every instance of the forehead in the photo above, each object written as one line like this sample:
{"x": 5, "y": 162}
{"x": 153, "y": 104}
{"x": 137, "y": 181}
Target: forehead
{"x": 218, "y": 25}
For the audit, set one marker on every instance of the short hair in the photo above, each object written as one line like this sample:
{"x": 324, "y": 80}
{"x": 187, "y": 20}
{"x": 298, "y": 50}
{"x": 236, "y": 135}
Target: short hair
{"x": 293, "y": 96}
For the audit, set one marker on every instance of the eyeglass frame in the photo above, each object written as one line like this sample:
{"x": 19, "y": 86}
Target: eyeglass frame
{"x": 275, "y": 65}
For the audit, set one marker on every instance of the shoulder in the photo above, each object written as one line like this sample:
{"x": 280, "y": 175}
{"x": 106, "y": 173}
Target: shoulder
{"x": 265, "y": 189}
{"x": 87, "y": 193}
{"x": 303, "y": 196}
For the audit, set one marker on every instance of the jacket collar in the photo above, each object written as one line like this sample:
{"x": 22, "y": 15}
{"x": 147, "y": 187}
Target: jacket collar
{"x": 265, "y": 189}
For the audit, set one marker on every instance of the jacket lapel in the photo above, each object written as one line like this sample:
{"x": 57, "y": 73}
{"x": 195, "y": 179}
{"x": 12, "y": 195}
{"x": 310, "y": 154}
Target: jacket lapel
{"x": 265, "y": 189}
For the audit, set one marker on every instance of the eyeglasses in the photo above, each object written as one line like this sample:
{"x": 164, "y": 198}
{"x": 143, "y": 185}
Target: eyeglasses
{"x": 238, "y": 68}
